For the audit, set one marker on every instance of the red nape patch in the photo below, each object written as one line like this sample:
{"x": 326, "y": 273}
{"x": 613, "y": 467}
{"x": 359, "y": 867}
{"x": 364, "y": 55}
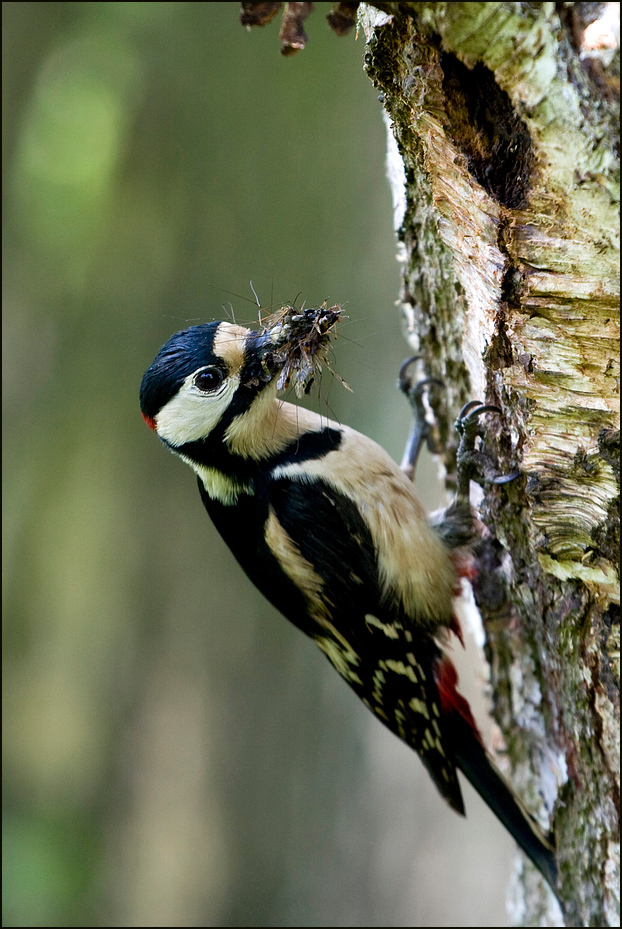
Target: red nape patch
{"x": 150, "y": 420}
{"x": 446, "y": 678}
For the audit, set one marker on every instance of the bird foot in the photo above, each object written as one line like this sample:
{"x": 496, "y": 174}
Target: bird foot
{"x": 423, "y": 427}
{"x": 473, "y": 463}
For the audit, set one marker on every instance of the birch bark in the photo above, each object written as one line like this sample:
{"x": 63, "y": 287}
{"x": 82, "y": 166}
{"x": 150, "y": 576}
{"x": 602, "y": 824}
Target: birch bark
{"x": 504, "y": 166}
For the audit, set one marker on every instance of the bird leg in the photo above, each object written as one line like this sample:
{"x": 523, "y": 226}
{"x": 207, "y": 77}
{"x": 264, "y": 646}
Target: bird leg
{"x": 472, "y": 463}
{"x": 423, "y": 428}
{"x": 455, "y": 524}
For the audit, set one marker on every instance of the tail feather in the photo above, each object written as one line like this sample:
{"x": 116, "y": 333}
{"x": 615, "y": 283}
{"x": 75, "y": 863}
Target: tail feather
{"x": 478, "y": 768}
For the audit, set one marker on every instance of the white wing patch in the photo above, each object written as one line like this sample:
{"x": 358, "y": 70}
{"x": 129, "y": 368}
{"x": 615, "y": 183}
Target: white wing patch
{"x": 296, "y": 566}
{"x": 415, "y": 567}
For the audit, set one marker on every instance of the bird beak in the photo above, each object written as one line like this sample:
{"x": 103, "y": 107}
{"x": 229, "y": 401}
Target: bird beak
{"x": 263, "y": 363}
{"x": 292, "y": 345}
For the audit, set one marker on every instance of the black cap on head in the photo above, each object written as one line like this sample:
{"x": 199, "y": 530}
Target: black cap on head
{"x": 183, "y": 353}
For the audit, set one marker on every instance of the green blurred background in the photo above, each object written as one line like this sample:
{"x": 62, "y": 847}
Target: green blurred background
{"x": 175, "y": 753}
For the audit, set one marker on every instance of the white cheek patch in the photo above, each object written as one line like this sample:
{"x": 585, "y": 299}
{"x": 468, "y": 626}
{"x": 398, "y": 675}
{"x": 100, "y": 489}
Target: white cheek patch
{"x": 192, "y": 414}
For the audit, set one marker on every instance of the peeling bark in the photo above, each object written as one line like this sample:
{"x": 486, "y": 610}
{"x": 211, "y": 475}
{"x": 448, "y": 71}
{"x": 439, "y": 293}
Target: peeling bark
{"x": 503, "y": 159}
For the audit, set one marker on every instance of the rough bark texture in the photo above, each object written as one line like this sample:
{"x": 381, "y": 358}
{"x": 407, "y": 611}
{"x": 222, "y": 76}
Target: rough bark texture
{"x": 505, "y": 179}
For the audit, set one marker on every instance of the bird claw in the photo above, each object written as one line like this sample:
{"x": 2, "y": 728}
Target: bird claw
{"x": 404, "y": 382}
{"x": 474, "y": 464}
{"x": 422, "y": 429}
{"x": 505, "y": 478}
{"x": 467, "y": 423}
{"x": 414, "y": 389}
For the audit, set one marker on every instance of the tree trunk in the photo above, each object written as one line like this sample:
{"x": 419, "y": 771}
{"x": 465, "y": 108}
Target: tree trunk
{"x": 503, "y": 165}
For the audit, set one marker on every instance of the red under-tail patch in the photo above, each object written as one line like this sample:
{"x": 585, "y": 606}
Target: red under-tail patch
{"x": 446, "y": 678}
{"x": 464, "y": 564}
{"x": 150, "y": 420}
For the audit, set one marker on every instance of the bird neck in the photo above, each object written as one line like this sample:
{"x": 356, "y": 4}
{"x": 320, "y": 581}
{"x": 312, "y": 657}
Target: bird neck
{"x": 267, "y": 427}
{"x": 231, "y": 459}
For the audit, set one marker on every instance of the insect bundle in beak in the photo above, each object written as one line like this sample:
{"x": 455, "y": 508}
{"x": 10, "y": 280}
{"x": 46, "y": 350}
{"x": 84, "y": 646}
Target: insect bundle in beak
{"x": 293, "y": 344}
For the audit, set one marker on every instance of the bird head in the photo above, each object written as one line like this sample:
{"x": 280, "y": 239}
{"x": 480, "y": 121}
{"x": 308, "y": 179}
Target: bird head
{"x": 202, "y": 376}
{"x": 207, "y": 377}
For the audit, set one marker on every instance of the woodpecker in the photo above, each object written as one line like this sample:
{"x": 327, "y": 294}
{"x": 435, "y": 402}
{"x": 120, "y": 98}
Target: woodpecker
{"x": 330, "y": 529}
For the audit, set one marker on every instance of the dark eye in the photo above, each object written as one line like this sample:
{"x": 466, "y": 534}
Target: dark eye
{"x": 208, "y": 379}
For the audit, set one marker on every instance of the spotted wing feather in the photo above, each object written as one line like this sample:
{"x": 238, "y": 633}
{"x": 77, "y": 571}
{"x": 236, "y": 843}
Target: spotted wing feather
{"x": 370, "y": 642}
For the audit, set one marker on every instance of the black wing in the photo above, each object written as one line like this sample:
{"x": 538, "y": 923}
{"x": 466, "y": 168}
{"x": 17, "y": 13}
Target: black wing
{"x": 368, "y": 640}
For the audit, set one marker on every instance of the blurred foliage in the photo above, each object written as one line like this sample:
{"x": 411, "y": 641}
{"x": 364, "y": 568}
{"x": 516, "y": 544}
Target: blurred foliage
{"x": 175, "y": 753}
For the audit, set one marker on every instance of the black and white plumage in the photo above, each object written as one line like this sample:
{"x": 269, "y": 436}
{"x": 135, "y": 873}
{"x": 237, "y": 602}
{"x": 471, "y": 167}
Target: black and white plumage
{"x": 332, "y": 532}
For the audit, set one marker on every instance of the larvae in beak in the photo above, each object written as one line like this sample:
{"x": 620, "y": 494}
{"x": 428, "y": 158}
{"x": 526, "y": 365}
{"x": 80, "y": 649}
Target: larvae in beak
{"x": 296, "y": 343}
